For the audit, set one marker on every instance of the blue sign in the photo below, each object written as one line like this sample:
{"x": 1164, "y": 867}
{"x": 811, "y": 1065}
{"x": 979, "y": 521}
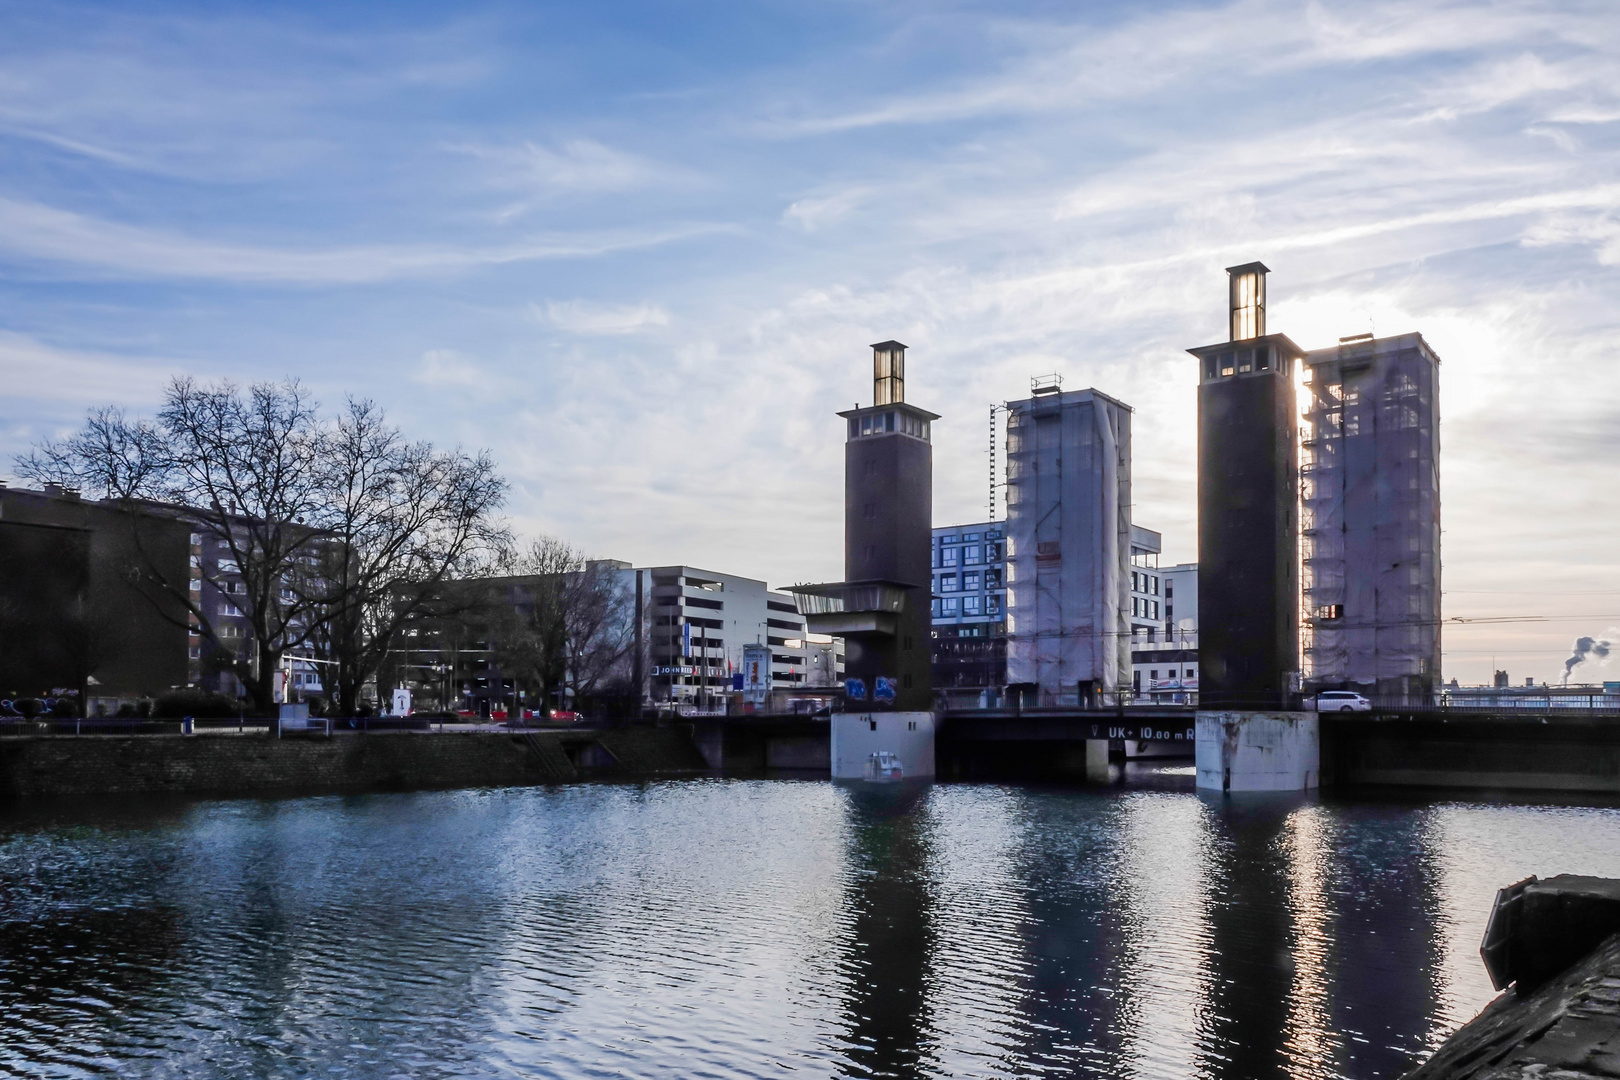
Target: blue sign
{"x": 884, "y": 690}
{"x": 686, "y": 639}
{"x": 736, "y": 681}
{"x": 855, "y": 689}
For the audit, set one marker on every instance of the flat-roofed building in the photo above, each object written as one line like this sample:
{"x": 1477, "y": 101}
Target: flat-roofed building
{"x": 1069, "y": 541}
{"x": 1370, "y": 492}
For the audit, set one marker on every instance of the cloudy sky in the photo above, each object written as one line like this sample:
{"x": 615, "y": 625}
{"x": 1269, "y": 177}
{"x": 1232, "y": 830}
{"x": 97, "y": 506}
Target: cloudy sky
{"x": 638, "y": 249}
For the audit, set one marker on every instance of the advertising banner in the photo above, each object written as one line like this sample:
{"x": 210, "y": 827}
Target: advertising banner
{"x": 756, "y": 673}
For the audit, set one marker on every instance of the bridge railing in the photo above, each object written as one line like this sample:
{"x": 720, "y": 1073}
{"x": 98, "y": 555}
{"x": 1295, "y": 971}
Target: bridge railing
{"x": 1448, "y": 701}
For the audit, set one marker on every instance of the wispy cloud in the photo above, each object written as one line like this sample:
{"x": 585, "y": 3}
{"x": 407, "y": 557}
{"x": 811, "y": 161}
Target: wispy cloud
{"x": 581, "y": 317}
{"x": 40, "y": 232}
{"x": 572, "y": 165}
{"x": 448, "y": 368}
{"x": 32, "y": 370}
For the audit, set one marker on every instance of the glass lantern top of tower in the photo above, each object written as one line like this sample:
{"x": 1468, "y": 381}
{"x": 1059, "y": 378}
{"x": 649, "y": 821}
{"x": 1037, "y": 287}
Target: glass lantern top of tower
{"x": 888, "y": 373}
{"x": 1247, "y": 292}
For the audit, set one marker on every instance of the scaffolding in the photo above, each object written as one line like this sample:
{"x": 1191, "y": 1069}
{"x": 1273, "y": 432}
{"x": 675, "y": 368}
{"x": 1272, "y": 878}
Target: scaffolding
{"x": 1370, "y": 494}
{"x": 1068, "y": 551}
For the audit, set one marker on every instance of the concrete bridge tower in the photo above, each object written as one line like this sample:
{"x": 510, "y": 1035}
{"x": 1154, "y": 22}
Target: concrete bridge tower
{"x": 882, "y": 608}
{"x": 1249, "y": 735}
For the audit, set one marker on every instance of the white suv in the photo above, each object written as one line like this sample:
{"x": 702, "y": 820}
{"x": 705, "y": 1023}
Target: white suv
{"x": 1342, "y": 701}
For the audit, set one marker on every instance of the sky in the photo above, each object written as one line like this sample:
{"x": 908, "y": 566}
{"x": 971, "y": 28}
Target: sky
{"x": 638, "y": 250}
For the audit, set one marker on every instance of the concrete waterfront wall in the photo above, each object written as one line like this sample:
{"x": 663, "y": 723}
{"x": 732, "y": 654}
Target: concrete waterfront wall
{"x": 1242, "y": 751}
{"x": 1530, "y": 752}
{"x": 857, "y": 736}
{"x": 42, "y": 767}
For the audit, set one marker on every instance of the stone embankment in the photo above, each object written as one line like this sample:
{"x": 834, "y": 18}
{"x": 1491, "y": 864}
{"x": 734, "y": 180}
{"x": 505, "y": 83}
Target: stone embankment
{"x": 1557, "y": 944}
{"x": 230, "y": 764}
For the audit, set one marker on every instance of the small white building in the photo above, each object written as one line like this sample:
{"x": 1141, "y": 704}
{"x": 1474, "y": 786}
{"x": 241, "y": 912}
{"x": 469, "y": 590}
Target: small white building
{"x": 1164, "y": 642}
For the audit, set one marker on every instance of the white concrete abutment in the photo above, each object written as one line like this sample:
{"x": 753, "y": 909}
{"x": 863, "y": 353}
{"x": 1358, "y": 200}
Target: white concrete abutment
{"x": 1240, "y": 751}
{"x": 907, "y": 735}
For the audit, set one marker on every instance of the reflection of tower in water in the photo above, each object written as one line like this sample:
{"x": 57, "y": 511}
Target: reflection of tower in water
{"x": 890, "y": 1031}
{"x": 1251, "y": 954}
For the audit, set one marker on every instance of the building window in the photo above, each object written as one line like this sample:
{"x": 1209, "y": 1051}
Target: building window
{"x": 936, "y": 609}
{"x": 970, "y": 582}
{"x": 992, "y": 552}
{"x": 949, "y": 606}
{"x": 992, "y": 578}
{"x": 949, "y": 556}
{"x": 1153, "y": 585}
{"x": 970, "y": 605}
{"x": 1155, "y": 614}
{"x": 973, "y": 554}
{"x": 970, "y": 536}
{"x": 947, "y": 583}
{"x": 992, "y": 604}
{"x": 1211, "y": 369}
{"x": 1227, "y": 360}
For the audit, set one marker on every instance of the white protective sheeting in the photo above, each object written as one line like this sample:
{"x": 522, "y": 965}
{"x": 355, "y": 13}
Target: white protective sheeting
{"x": 1370, "y": 487}
{"x": 1069, "y": 534}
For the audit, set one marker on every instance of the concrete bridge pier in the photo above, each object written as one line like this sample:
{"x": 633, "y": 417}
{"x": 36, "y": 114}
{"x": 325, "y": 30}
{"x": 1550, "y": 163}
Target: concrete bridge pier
{"x": 1097, "y": 762}
{"x": 907, "y": 735}
{"x": 1242, "y": 751}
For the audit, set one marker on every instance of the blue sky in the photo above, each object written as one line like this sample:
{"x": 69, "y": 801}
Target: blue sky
{"x": 638, "y": 250}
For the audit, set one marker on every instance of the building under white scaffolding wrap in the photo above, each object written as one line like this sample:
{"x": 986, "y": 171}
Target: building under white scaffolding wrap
{"x": 1069, "y": 542}
{"x": 1370, "y": 486}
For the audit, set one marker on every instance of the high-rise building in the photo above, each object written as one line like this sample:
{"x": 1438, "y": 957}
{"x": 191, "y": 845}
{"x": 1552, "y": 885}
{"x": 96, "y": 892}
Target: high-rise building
{"x": 1248, "y": 507}
{"x": 1069, "y": 541}
{"x": 881, "y": 610}
{"x": 1370, "y": 485}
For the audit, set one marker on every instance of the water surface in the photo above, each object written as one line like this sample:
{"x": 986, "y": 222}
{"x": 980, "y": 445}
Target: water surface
{"x": 733, "y": 928}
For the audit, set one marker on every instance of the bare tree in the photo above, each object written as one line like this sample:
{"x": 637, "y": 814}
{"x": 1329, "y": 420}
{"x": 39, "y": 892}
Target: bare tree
{"x": 119, "y": 457}
{"x": 241, "y": 470}
{"x": 397, "y": 519}
{"x": 564, "y": 623}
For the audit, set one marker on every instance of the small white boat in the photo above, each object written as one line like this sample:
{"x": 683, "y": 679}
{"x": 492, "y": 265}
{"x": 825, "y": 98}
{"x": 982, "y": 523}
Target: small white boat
{"x": 884, "y": 766}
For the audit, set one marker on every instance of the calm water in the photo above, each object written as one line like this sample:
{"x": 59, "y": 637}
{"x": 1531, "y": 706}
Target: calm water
{"x": 757, "y": 929}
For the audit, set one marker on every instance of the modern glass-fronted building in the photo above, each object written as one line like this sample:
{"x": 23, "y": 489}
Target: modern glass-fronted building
{"x": 970, "y": 606}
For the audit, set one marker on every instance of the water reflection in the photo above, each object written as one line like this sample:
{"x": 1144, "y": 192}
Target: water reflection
{"x": 1251, "y": 957}
{"x": 1386, "y": 953}
{"x": 889, "y": 904}
{"x": 754, "y": 928}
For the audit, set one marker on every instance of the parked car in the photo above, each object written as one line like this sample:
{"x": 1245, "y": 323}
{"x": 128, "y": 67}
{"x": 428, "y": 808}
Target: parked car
{"x": 565, "y": 716}
{"x": 1342, "y": 701}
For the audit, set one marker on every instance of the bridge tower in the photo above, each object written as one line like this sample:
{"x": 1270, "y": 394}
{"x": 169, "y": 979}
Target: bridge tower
{"x": 882, "y": 608}
{"x": 1249, "y": 737}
